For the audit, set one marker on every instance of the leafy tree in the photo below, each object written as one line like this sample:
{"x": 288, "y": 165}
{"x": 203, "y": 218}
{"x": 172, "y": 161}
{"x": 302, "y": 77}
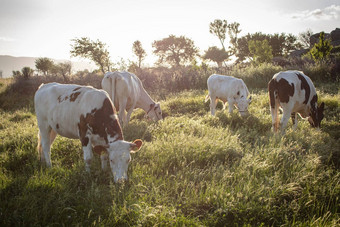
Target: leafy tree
{"x": 44, "y": 65}
{"x": 217, "y": 55}
{"x": 219, "y": 28}
{"x": 322, "y": 49}
{"x": 139, "y": 52}
{"x": 27, "y": 72}
{"x": 16, "y": 73}
{"x": 233, "y": 31}
{"x": 63, "y": 69}
{"x": 281, "y": 44}
{"x": 291, "y": 43}
{"x": 94, "y": 50}
{"x": 175, "y": 50}
{"x": 261, "y": 51}
{"x": 304, "y": 38}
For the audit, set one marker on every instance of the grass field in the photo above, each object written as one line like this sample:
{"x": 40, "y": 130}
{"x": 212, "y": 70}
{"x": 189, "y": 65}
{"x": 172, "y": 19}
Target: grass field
{"x": 193, "y": 170}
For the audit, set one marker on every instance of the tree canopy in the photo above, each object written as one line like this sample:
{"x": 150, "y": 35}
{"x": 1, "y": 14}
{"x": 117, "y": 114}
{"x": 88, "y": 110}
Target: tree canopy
{"x": 44, "y": 65}
{"x": 93, "y": 50}
{"x": 219, "y": 28}
{"x": 175, "y": 51}
{"x": 139, "y": 52}
{"x": 281, "y": 44}
{"x": 261, "y": 51}
{"x": 217, "y": 55}
{"x": 322, "y": 49}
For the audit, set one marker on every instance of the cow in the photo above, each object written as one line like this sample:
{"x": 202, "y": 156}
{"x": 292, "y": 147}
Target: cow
{"x": 228, "y": 89}
{"x": 127, "y": 93}
{"x": 295, "y": 93}
{"x": 87, "y": 114}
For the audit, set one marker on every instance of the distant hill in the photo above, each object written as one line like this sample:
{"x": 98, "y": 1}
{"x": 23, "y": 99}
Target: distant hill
{"x": 10, "y": 63}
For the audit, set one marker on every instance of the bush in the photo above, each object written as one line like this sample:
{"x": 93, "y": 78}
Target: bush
{"x": 256, "y": 76}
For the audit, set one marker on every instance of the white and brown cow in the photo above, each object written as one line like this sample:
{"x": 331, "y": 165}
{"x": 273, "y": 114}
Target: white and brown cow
{"x": 228, "y": 89}
{"x": 127, "y": 93}
{"x": 85, "y": 113}
{"x": 296, "y": 94}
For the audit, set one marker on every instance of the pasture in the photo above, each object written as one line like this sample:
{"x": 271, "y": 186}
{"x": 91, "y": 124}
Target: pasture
{"x": 193, "y": 169}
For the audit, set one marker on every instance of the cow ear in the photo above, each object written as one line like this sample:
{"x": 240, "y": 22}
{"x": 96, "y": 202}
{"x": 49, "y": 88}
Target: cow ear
{"x": 99, "y": 149}
{"x": 136, "y": 145}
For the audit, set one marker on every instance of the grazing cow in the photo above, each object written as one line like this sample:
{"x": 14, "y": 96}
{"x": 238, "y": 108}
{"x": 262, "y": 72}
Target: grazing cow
{"x": 85, "y": 113}
{"x": 295, "y": 93}
{"x": 127, "y": 93}
{"x": 228, "y": 89}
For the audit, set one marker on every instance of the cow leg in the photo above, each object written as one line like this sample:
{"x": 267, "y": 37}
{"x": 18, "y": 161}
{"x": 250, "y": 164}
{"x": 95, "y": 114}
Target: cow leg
{"x": 104, "y": 157}
{"x": 122, "y": 113}
{"x": 53, "y": 135}
{"x": 87, "y": 149}
{"x": 287, "y": 110}
{"x": 294, "y": 120}
{"x": 128, "y": 115}
{"x": 231, "y": 105}
{"x": 274, "y": 113}
{"x": 45, "y": 145}
{"x": 213, "y": 103}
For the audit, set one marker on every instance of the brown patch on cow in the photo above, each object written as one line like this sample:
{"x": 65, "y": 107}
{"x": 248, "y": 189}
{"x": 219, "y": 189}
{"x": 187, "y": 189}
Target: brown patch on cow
{"x": 74, "y": 96}
{"x": 280, "y": 89}
{"x": 101, "y": 123}
{"x": 57, "y": 126}
{"x": 76, "y": 89}
{"x": 60, "y": 99}
{"x": 313, "y": 111}
{"x": 99, "y": 149}
{"x": 304, "y": 86}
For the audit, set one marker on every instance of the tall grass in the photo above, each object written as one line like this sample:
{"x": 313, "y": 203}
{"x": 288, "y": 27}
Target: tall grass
{"x": 193, "y": 170}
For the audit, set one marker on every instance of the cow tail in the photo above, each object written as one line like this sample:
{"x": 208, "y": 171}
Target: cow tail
{"x": 274, "y": 102}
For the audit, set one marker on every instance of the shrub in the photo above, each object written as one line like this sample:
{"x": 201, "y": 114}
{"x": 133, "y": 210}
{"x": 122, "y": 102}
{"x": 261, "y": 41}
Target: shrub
{"x": 256, "y": 76}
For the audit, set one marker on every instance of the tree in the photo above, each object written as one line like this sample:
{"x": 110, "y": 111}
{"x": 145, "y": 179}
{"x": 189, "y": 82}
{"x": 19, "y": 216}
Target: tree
{"x": 322, "y": 49}
{"x": 16, "y": 74}
{"x": 175, "y": 50}
{"x": 233, "y": 31}
{"x": 291, "y": 43}
{"x": 44, "y": 65}
{"x": 27, "y": 72}
{"x": 261, "y": 51}
{"x": 139, "y": 52}
{"x": 219, "y": 28}
{"x": 217, "y": 55}
{"x": 281, "y": 44}
{"x": 304, "y": 38}
{"x": 94, "y": 50}
{"x": 63, "y": 69}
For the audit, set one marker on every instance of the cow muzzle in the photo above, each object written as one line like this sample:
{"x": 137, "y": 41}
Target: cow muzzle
{"x": 244, "y": 113}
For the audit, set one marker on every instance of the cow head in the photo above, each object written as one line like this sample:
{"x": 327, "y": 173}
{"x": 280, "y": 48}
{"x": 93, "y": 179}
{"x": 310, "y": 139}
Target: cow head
{"x": 155, "y": 112}
{"x": 119, "y": 157}
{"x": 242, "y": 106}
{"x": 316, "y": 116}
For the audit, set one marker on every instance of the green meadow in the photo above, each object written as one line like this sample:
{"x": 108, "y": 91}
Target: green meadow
{"x": 193, "y": 169}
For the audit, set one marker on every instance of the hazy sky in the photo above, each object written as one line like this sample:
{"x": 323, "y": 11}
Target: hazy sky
{"x": 44, "y": 28}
